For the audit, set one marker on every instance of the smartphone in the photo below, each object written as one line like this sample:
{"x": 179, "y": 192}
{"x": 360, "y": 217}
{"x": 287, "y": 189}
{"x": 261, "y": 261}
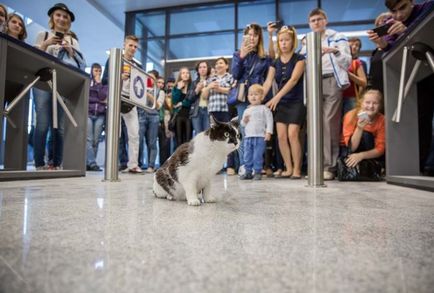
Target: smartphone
{"x": 59, "y": 35}
{"x": 363, "y": 116}
{"x": 246, "y": 39}
{"x": 277, "y": 24}
{"x": 382, "y": 30}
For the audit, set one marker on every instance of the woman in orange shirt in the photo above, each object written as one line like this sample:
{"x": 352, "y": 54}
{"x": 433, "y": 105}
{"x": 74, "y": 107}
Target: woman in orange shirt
{"x": 364, "y": 129}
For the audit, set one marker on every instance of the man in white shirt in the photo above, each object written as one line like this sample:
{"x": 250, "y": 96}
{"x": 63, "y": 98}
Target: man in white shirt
{"x": 336, "y": 58}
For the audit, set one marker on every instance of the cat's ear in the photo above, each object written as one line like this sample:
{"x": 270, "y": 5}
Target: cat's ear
{"x": 212, "y": 121}
{"x": 234, "y": 121}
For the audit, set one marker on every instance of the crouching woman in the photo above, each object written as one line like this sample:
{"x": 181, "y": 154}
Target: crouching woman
{"x": 364, "y": 130}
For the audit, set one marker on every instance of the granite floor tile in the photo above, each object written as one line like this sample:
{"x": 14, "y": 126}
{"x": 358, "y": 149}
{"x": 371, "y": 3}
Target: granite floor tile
{"x": 275, "y": 235}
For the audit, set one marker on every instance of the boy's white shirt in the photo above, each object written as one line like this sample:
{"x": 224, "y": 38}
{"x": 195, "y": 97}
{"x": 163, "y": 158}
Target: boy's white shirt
{"x": 260, "y": 121}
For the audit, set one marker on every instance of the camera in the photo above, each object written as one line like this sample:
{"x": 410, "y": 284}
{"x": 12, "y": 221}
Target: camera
{"x": 276, "y": 24}
{"x": 382, "y": 30}
{"x": 363, "y": 116}
{"x": 59, "y": 35}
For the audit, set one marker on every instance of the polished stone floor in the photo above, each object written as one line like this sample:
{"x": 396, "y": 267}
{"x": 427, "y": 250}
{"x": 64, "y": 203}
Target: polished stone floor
{"x": 274, "y": 235}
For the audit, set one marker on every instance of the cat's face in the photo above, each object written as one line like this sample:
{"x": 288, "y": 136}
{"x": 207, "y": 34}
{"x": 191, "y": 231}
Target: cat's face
{"x": 226, "y": 134}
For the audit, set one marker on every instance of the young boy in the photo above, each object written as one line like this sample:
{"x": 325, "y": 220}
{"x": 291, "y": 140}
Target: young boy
{"x": 258, "y": 123}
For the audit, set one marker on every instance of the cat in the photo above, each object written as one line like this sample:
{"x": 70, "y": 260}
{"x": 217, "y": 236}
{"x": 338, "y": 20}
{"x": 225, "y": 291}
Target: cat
{"x": 190, "y": 169}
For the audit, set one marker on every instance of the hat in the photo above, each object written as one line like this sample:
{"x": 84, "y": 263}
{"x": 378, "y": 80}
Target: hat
{"x": 61, "y": 6}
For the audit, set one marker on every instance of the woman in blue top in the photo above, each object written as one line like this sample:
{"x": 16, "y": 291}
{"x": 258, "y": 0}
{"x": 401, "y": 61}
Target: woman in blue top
{"x": 251, "y": 55}
{"x": 287, "y": 103}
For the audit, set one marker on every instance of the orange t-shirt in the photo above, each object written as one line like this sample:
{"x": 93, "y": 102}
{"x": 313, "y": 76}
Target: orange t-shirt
{"x": 376, "y": 127}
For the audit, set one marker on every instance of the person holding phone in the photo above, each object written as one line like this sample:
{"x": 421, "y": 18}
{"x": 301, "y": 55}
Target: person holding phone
{"x": 250, "y": 64}
{"x": 60, "y": 20}
{"x": 404, "y": 13}
{"x": 364, "y": 129}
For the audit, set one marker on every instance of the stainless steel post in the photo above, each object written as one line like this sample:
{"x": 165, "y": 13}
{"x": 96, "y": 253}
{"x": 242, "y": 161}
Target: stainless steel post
{"x": 314, "y": 111}
{"x": 113, "y": 116}
{"x": 54, "y": 99}
{"x": 401, "y": 86}
{"x": 430, "y": 59}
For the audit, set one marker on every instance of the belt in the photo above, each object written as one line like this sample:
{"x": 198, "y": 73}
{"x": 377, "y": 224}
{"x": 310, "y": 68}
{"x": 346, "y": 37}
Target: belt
{"x": 327, "y": 75}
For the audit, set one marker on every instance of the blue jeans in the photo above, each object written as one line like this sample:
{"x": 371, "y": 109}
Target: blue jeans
{"x": 148, "y": 126}
{"x": 254, "y": 148}
{"x": 44, "y": 113}
{"x": 201, "y": 121}
{"x": 95, "y": 125}
{"x": 123, "y": 143}
{"x": 240, "y": 111}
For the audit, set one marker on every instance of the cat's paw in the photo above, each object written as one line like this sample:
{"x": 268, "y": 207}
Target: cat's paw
{"x": 210, "y": 199}
{"x": 194, "y": 202}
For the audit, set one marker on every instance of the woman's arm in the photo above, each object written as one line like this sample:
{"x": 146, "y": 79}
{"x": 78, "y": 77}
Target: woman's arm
{"x": 269, "y": 81}
{"x": 359, "y": 78}
{"x": 295, "y": 76}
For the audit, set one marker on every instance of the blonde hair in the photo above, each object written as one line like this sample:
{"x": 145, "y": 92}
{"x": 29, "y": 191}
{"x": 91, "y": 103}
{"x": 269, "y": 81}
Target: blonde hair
{"x": 51, "y": 21}
{"x": 257, "y": 88}
{"x": 257, "y": 29}
{"x": 292, "y": 34}
{"x": 360, "y": 101}
{"x": 380, "y": 18}
{"x": 178, "y": 79}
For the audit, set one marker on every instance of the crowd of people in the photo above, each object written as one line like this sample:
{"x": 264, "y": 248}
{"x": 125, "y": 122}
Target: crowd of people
{"x": 271, "y": 112}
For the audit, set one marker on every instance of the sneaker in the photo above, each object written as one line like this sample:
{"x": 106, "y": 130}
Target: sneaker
{"x": 257, "y": 176}
{"x": 135, "y": 170}
{"x": 54, "y": 168}
{"x": 42, "y": 168}
{"x": 246, "y": 176}
{"x": 95, "y": 168}
{"x": 328, "y": 175}
{"x": 230, "y": 171}
{"x": 241, "y": 170}
{"x": 150, "y": 170}
{"x": 123, "y": 168}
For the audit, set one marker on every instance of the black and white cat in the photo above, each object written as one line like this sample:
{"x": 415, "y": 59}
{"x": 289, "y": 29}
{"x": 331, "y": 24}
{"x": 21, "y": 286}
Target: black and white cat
{"x": 189, "y": 171}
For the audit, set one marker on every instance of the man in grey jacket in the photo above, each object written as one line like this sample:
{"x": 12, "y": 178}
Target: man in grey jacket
{"x": 336, "y": 58}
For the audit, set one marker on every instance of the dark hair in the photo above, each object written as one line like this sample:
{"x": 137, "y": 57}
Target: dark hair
{"x": 391, "y": 3}
{"x": 154, "y": 73}
{"x": 208, "y": 67}
{"x": 170, "y": 79}
{"x": 356, "y": 39}
{"x": 224, "y": 60}
{"x": 317, "y": 11}
{"x": 9, "y": 17}
{"x": 94, "y": 65}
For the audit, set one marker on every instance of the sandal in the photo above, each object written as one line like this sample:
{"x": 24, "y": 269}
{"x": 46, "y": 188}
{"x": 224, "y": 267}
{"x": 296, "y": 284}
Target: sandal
{"x": 278, "y": 173}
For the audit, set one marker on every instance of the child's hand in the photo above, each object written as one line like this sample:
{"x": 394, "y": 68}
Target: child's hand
{"x": 267, "y": 136}
{"x": 246, "y": 119}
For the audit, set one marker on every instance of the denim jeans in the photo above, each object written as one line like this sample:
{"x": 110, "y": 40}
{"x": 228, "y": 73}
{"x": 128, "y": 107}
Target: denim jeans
{"x": 201, "y": 121}
{"x": 240, "y": 111}
{"x": 123, "y": 144}
{"x": 95, "y": 125}
{"x": 44, "y": 120}
{"x": 348, "y": 104}
{"x": 254, "y": 148}
{"x": 148, "y": 129}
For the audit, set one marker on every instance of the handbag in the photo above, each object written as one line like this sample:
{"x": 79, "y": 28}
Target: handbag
{"x": 172, "y": 122}
{"x": 365, "y": 170}
{"x": 237, "y": 94}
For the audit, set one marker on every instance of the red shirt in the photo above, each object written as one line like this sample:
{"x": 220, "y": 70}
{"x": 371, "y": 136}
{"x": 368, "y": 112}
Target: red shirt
{"x": 354, "y": 66}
